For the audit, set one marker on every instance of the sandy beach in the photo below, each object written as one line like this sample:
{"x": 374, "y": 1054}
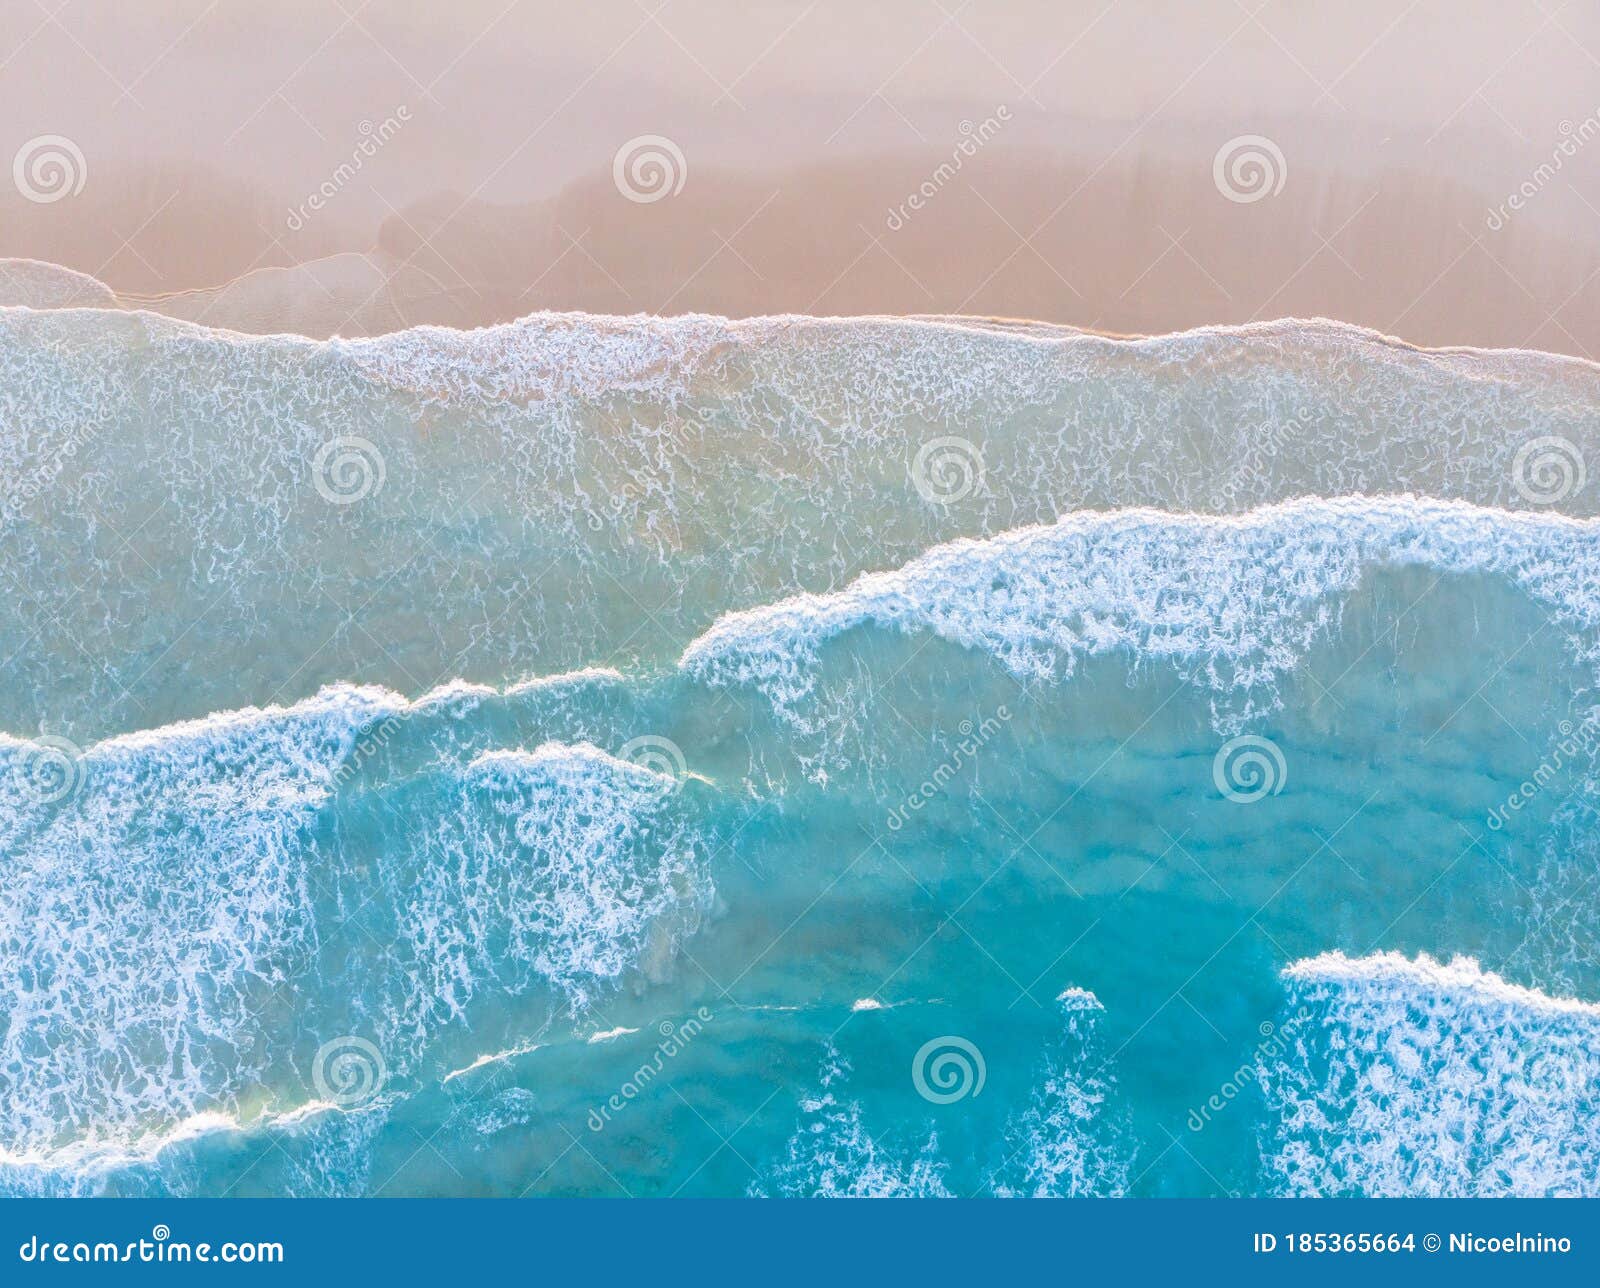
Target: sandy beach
{"x": 1117, "y": 167}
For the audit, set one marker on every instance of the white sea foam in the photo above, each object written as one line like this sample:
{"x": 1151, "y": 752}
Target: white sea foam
{"x": 562, "y": 864}
{"x": 324, "y": 1152}
{"x": 584, "y": 675}
{"x": 507, "y": 1109}
{"x": 832, "y": 1155}
{"x": 544, "y": 356}
{"x": 1073, "y": 1140}
{"x": 149, "y": 914}
{"x": 1563, "y": 921}
{"x": 36, "y": 284}
{"x": 1416, "y": 1077}
{"x": 1233, "y": 601}
{"x": 700, "y": 464}
{"x": 174, "y": 893}
{"x": 610, "y": 1035}
{"x": 490, "y": 1059}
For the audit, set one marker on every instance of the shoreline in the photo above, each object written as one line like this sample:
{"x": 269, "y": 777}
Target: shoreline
{"x": 1022, "y": 328}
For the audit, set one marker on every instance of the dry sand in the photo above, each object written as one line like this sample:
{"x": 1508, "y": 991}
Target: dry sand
{"x": 1077, "y": 143}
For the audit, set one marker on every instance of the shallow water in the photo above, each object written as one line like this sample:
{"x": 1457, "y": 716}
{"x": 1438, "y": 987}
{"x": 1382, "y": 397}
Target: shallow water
{"x": 639, "y": 774}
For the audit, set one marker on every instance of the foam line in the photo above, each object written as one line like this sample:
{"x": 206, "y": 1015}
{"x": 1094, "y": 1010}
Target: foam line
{"x": 1236, "y": 600}
{"x": 1408, "y": 1077}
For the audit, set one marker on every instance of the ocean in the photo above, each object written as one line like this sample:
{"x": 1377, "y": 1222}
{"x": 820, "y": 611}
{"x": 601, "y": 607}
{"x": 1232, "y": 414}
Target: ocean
{"x": 924, "y": 756}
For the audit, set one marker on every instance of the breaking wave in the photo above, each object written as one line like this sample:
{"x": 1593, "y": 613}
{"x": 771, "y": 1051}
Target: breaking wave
{"x": 1422, "y": 1078}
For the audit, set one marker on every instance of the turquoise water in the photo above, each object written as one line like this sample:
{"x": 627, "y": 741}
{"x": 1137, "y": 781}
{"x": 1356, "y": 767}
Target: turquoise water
{"x": 796, "y": 757}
